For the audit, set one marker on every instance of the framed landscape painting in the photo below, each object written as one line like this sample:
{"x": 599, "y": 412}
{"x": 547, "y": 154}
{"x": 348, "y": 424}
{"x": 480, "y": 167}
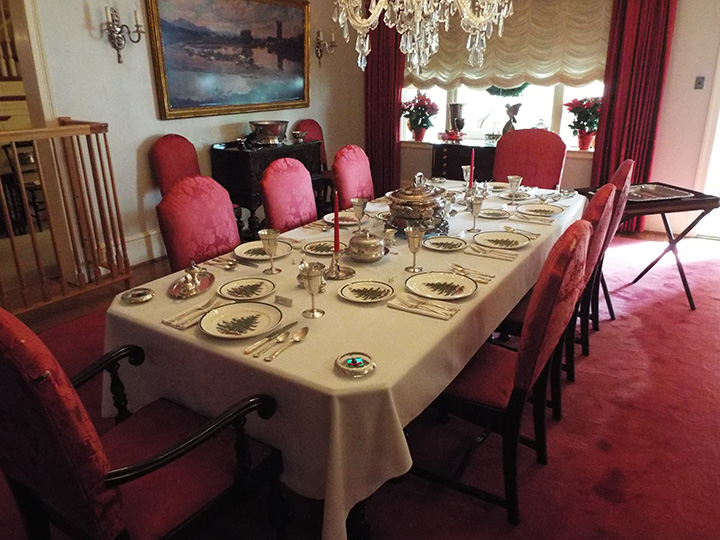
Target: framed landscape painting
{"x": 229, "y": 56}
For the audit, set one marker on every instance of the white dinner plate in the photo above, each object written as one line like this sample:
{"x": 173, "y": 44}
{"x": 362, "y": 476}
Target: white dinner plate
{"x": 501, "y": 239}
{"x": 539, "y": 209}
{"x": 493, "y": 213}
{"x": 346, "y": 218}
{"x": 322, "y": 248}
{"x": 241, "y": 320}
{"x": 248, "y": 288}
{"x": 254, "y": 251}
{"x": 519, "y": 196}
{"x": 366, "y": 291}
{"x": 441, "y": 285}
{"x": 444, "y": 243}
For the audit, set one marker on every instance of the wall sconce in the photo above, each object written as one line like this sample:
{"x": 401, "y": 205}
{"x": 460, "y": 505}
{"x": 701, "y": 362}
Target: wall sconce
{"x": 116, "y": 31}
{"x": 322, "y": 46}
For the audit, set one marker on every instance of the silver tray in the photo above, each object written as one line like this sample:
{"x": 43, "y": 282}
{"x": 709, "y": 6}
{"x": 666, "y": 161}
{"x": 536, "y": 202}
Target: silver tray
{"x": 655, "y": 192}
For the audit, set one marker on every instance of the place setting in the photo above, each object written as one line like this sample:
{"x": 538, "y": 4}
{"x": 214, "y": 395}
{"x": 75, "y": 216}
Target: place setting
{"x": 436, "y": 309}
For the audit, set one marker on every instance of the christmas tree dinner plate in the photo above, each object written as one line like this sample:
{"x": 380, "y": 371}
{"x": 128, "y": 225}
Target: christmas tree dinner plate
{"x": 246, "y": 288}
{"x": 240, "y": 320}
{"x": 367, "y": 291}
{"x": 440, "y": 285}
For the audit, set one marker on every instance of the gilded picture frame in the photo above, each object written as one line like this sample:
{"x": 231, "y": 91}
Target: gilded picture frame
{"x": 214, "y": 57}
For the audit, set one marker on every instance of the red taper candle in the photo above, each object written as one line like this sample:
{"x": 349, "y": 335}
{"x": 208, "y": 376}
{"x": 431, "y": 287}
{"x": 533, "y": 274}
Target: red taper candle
{"x": 337, "y": 225}
{"x": 472, "y": 168}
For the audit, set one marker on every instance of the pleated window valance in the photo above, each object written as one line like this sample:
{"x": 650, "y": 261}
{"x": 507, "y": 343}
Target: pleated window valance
{"x": 544, "y": 42}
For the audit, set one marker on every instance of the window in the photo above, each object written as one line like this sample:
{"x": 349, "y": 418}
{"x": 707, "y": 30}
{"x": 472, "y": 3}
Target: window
{"x": 541, "y": 106}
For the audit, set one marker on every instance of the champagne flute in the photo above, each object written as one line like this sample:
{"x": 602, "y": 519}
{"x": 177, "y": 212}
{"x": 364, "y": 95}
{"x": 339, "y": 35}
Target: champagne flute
{"x": 476, "y": 204}
{"x": 466, "y": 172}
{"x": 359, "y": 205}
{"x": 269, "y": 239}
{"x": 414, "y": 238}
{"x": 313, "y": 274}
{"x": 514, "y": 181}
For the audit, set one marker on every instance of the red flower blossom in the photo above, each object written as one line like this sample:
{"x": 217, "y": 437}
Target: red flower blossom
{"x": 418, "y": 111}
{"x": 587, "y": 114}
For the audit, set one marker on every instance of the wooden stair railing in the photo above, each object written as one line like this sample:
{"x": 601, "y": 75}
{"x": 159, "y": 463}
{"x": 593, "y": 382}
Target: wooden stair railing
{"x": 83, "y": 247}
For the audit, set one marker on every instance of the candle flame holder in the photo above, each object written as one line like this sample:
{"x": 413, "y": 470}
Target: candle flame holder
{"x": 337, "y": 272}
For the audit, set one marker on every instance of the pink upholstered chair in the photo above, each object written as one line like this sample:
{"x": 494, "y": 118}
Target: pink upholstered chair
{"x": 196, "y": 221}
{"x": 537, "y": 155}
{"x": 352, "y": 175}
{"x": 494, "y": 386}
{"x": 287, "y": 195}
{"x": 141, "y": 480}
{"x": 314, "y": 132}
{"x": 621, "y": 179}
{"x": 173, "y": 157}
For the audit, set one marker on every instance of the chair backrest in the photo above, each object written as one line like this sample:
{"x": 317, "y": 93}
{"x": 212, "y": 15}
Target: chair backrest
{"x": 552, "y": 302}
{"x": 352, "y": 175}
{"x": 173, "y": 157}
{"x": 314, "y": 132}
{"x": 287, "y": 195}
{"x": 538, "y": 155}
{"x": 197, "y": 221}
{"x": 598, "y": 213}
{"x": 48, "y": 443}
{"x": 621, "y": 179}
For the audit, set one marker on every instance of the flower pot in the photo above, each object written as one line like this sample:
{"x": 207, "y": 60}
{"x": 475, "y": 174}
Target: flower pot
{"x": 585, "y": 139}
{"x": 419, "y": 134}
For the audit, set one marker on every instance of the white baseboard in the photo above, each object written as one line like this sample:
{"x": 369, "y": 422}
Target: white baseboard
{"x": 145, "y": 246}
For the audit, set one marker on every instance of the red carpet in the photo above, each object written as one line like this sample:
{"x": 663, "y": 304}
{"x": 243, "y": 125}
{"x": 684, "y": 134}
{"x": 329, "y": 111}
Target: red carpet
{"x": 636, "y": 454}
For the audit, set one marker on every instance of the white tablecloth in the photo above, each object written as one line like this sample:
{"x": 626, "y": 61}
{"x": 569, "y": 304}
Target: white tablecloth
{"x": 341, "y": 438}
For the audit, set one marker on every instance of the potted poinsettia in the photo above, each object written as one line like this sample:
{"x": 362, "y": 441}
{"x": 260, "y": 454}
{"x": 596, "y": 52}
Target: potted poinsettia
{"x": 587, "y": 115}
{"x": 418, "y": 112}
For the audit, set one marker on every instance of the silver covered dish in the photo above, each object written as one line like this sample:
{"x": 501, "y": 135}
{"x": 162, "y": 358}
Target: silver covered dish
{"x": 419, "y": 205}
{"x": 366, "y": 248}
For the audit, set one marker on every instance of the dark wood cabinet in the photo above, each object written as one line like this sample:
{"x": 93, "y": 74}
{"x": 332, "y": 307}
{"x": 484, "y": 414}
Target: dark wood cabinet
{"x": 448, "y": 160}
{"x": 239, "y": 170}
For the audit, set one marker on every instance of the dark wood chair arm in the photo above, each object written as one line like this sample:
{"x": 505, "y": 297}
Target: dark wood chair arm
{"x": 263, "y": 404}
{"x": 133, "y": 353}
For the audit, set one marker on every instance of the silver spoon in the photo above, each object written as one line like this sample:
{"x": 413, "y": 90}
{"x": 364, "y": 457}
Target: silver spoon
{"x": 281, "y": 338}
{"x": 297, "y": 338}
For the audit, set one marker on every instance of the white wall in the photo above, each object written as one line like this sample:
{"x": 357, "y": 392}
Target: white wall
{"x": 684, "y": 111}
{"x": 87, "y": 83}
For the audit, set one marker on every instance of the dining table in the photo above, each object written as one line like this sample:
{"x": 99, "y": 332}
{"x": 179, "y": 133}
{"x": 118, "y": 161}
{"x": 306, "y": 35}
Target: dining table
{"x": 342, "y": 437}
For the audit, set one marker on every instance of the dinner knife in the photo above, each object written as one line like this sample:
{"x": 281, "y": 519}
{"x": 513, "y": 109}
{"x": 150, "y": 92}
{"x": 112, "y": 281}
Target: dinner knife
{"x": 272, "y": 336}
{"x": 247, "y": 263}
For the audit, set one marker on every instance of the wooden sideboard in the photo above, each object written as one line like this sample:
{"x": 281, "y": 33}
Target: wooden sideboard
{"x": 448, "y": 160}
{"x": 239, "y": 170}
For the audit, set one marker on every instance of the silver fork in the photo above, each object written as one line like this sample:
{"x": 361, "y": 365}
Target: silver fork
{"x": 428, "y": 306}
{"x": 197, "y": 310}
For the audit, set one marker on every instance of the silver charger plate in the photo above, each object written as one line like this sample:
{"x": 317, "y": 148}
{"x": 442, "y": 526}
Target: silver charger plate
{"x": 366, "y": 291}
{"x": 241, "y": 320}
{"x": 539, "y": 209}
{"x": 501, "y": 239}
{"x": 248, "y": 288}
{"x": 444, "y": 243}
{"x": 441, "y": 285}
{"x": 254, "y": 251}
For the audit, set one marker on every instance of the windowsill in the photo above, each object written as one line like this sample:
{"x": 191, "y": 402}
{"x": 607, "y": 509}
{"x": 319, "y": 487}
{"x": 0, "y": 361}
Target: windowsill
{"x": 572, "y": 153}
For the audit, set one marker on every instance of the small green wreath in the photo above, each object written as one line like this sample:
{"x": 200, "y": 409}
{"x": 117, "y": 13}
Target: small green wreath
{"x": 507, "y": 92}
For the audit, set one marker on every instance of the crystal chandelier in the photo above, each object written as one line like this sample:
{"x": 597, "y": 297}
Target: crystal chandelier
{"x": 417, "y": 23}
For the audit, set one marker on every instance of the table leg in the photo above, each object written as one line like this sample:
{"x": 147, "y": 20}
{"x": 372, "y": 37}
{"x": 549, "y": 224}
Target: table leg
{"x": 672, "y": 246}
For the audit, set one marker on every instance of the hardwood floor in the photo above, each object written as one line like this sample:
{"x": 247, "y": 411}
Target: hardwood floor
{"x": 41, "y": 319}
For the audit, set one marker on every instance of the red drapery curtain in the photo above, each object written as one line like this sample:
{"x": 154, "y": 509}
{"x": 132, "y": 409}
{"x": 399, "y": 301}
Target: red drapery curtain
{"x": 383, "y": 92}
{"x": 638, "y": 54}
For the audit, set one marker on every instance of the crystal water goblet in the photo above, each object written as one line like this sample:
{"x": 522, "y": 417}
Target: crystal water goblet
{"x": 514, "y": 182}
{"x": 414, "y": 237}
{"x": 313, "y": 275}
{"x": 359, "y": 205}
{"x": 269, "y": 239}
{"x": 476, "y": 204}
